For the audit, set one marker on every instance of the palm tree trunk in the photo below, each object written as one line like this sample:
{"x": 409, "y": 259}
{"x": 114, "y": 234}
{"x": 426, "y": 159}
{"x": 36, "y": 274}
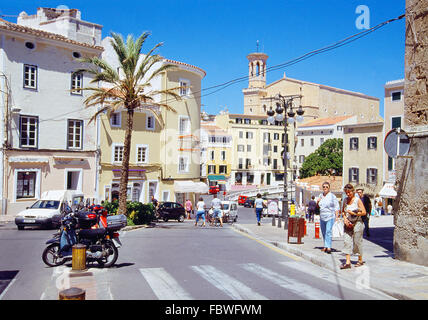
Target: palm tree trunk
{"x": 123, "y": 190}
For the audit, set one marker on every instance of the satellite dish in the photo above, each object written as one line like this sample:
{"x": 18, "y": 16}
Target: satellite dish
{"x": 397, "y": 143}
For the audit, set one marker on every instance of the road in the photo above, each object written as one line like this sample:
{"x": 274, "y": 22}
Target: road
{"x": 175, "y": 261}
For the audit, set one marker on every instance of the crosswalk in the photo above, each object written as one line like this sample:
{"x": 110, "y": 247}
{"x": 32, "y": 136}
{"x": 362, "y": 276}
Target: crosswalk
{"x": 165, "y": 287}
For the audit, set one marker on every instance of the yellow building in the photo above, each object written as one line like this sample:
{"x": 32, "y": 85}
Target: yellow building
{"x": 165, "y": 156}
{"x": 216, "y": 155}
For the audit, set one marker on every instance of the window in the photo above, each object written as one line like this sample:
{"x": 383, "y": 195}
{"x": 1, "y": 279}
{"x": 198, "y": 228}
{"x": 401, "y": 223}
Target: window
{"x": 28, "y": 131}
{"x": 77, "y": 83}
{"x": 248, "y": 147}
{"x": 301, "y": 159}
{"x": 117, "y": 153}
{"x": 26, "y": 184}
{"x": 353, "y": 175}
{"x": 247, "y": 163}
{"x": 116, "y": 119}
{"x": 302, "y": 142}
{"x": 396, "y": 96}
{"x": 371, "y": 143}
{"x": 142, "y": 153}
{"x": 249, "y": 135}
{"x": 74, "y": 135}
{"x": 276, "y": 136}
{"x": 184, "y": 88}
{"x": 371, "y": 176}
{"x": 211, "y": 169}
{"x": 30, "y": 76}
{"x": 238, "y": 120}
{"x": 212, "y": 155}
{"x": 241, "y": 134}
{"x": 275, "y": 148}
{"x": 183, "y": 164}
{"x": 150, "y": 122}
{"x": 395, "y": 122}
{"x": 353, "y": 144}
{"x": 240, "y": 163}
{"x": 247, "y": 121}
{"x": 241, "y": 147}
{"x": 184, "y": 125}
{"x": 266, "y": 137}
{"x": 223, "y": 155}
{"x": 312, "y": 142}
{"x": 321, "y": 140}
{"x": 275, "y": 163}
{"x": 222, "y": 169}
{"x": 250, "y": 178}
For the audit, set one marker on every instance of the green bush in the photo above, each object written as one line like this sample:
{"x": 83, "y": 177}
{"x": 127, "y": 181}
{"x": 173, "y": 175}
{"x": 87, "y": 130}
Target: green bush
{"x": 137, "y": 212}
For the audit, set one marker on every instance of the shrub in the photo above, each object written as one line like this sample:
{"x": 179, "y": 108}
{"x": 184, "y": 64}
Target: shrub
{"x": 137, "y": 212}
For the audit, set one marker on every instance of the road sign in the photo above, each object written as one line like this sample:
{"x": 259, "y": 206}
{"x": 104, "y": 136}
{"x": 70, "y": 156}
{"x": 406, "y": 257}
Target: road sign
{"x": 397, "y": 143}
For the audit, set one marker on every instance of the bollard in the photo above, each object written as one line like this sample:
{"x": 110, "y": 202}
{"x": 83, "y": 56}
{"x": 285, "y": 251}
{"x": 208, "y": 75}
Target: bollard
{"x": 78, "y": 257}
{"x": 317, "y": 230}
{"x": 72, "y": 294}
{"x": 305, "y": 229}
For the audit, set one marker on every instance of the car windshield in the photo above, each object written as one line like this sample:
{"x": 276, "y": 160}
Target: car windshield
{"x": 45, "y": 204}
{"x": 226, "y": 206}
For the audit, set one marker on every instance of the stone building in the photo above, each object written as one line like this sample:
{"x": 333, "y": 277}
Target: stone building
{"x": 411, "y": 205}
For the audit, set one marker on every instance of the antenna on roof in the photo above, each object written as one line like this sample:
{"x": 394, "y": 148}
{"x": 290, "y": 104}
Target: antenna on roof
{"x": 257, "y": 45}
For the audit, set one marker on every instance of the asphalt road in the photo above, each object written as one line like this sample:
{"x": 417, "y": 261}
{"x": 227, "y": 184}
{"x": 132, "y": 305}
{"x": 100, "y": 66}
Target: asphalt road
{"x": 174, "y": 261}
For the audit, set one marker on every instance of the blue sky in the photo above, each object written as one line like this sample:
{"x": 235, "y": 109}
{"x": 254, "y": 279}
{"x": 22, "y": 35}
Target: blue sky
{"x": 217, "y": 35}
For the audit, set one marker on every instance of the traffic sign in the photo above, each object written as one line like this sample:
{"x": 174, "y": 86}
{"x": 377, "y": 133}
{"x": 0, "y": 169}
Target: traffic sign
{"x": 396, "y": 143}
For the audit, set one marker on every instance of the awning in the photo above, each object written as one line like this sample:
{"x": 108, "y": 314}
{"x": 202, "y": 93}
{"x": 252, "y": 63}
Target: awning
{"x": 217, "y": 177}
{"x": 388, "y": 191}
{"x": 189, "y": 186}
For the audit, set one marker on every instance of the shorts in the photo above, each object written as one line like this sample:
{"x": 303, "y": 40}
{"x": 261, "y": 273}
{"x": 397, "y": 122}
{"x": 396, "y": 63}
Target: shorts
{"x": 217, "y": 213}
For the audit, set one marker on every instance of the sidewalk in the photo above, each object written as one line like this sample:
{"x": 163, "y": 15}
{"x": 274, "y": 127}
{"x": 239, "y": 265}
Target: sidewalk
{"x": 399, "y": 279}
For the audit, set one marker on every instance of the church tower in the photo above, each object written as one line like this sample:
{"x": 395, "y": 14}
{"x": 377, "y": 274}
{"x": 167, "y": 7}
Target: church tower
{"x": 256, "y": 84}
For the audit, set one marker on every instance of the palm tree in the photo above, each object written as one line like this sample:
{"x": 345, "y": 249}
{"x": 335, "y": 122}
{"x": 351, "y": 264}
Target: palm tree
{"x": 127, "y": 89}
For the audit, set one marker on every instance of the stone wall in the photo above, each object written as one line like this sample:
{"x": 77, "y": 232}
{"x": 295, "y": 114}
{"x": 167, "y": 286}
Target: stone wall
{"x": 411, "y": 207}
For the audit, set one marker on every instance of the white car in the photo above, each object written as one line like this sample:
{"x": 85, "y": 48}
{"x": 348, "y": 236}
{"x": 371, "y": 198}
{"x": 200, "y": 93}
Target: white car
{"x": 230, "y": 210}
{"x": 46, "y": 212}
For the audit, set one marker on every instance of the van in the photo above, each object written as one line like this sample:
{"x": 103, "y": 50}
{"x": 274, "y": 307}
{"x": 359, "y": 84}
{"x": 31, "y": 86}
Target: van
{"x": 46, "y": 212}
{"x": 242, "y": 199}
{"x": 230, "y": 211}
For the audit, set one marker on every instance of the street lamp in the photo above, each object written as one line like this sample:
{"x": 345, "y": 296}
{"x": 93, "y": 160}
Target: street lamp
{"x": 284, "y": 112}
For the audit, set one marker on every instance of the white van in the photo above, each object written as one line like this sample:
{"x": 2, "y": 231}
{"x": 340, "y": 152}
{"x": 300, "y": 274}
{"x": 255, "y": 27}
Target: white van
{"x": 230, "y": 210}
{"x": 46, "y": 212}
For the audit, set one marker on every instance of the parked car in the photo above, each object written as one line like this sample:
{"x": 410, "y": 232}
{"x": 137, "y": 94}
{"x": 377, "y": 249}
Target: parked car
{"x": 230, "y": 211}
{"x": 214, "y": 189}
{"x": 171, "y": 210}
{"x": 249, "y": 203}
{"x": 47, "y": 211}
{"x": 242, "y": 199}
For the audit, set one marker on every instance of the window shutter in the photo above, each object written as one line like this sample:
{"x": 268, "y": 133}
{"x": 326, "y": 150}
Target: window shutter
{"x": 375, "y": 174}
{"x": 368, "y": 143}
{"x": 375, "y": 143}
{"x": 356, "y": 139}
{"x": 368, "y": 176}
{"x": 350, "y": 175}
{"x": 358, "y": 174}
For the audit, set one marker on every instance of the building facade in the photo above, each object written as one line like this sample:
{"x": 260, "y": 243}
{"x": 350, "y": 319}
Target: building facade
{"x": 48, "y": 142}
{"x": 165, "y": 153}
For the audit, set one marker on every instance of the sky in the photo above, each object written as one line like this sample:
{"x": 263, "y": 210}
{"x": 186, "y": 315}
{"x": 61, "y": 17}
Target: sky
{"x": 217, "y": 35}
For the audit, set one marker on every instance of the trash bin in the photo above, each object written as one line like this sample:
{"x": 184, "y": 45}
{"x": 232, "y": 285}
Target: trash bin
{"x": 296, "y": 229}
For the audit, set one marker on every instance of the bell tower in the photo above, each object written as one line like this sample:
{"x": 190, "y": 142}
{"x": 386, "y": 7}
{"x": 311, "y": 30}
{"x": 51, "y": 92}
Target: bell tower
{"x": 256, "y": 83}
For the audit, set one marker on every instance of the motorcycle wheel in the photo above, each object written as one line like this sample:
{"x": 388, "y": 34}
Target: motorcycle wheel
{"x": 110, "y": 260}
{"x": 50, "y": 255}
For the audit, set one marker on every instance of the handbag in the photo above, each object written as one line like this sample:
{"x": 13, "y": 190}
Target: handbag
{"x": 338, "y": 229}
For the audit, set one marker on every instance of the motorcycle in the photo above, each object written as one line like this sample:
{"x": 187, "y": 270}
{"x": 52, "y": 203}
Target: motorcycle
{"x": 101, "y": 238}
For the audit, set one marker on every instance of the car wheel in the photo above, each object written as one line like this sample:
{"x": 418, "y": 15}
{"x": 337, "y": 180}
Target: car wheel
{"x": 181, "y": 218}
{"x": 21, "y": 227}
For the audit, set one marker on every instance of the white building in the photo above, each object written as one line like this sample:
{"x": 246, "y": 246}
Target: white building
{"x": 47, "y": 140}
{"x": 311, "y": 135}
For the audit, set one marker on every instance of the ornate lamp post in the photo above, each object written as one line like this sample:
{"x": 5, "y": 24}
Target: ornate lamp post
{"x": 284, "y": 112}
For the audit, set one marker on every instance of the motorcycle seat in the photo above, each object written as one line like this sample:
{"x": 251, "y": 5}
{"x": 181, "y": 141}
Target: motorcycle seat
{"x": 91, "y": 233}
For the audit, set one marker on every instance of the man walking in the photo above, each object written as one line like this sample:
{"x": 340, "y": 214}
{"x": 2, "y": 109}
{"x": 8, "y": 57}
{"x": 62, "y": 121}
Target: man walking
{"x": 312, "y": 205}
{"x": 368, "y": 206}
{"x": 217, "y": 206}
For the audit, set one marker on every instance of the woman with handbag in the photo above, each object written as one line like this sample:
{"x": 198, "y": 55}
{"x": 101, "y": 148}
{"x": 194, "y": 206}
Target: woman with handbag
{"x": 353, "y": 210}
{"x": 329, "y": 211}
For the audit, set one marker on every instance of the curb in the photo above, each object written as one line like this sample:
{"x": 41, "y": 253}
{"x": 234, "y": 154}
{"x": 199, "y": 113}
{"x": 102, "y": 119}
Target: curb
{"x": 314, "y": 260}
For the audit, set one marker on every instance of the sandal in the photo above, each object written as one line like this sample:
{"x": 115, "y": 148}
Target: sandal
{"x": 359, "y": 264}
{"x": 345, "y": 266}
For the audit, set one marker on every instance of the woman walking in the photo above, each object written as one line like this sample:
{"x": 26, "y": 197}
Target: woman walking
{"x": 200, "y": 206}
{"x": 352, "y": 211}
{"x": 329, "y": 212}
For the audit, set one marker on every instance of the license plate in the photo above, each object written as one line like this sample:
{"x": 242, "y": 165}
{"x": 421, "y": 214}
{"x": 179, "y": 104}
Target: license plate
{"x": 29, "y": 220}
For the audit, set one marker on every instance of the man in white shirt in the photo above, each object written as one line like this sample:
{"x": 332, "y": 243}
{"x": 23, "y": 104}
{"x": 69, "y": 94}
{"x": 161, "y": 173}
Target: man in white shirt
{"x": 217, "y": 207}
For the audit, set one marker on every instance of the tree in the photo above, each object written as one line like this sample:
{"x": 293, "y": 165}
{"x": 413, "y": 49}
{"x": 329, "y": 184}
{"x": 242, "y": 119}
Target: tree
{"x": 326, "y": 160}
{"x": 127, "y": 87}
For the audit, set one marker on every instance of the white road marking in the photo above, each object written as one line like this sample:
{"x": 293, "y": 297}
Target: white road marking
{"x": 297, "y": 287}
{"x": 232, "y": 287}
{"x": 164, "y": 285}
